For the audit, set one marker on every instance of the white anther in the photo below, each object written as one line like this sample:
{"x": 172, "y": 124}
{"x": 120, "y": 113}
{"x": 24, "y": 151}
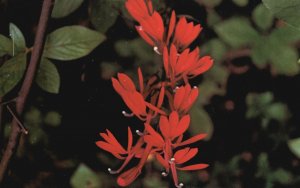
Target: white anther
{"x": 155, "y": 48}
{"x": 139, "y": 133}
{"x": 164, "y": 174}
{"x": 127, "y": 114}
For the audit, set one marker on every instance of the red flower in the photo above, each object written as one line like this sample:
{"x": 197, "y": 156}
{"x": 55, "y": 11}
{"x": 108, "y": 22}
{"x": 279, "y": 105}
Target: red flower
{"x": 172, "y": 127}
{"x": 138, "y": 9}
{"x": 182, "y": 156}
{"x": 152, "y": 30}
{"x": 112, "y": 145}
{"x": 185, "y": 33}
{"x": 133, "y": 99}
{"x": 184, "y": 98}
{"x": 185, "y": 65}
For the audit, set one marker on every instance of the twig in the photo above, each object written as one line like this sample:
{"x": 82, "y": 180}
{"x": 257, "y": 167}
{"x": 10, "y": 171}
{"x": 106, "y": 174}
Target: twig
{"x": 25, "y": 88}
{"x": 1, "y": 126}
{"x": 23, "y": 129}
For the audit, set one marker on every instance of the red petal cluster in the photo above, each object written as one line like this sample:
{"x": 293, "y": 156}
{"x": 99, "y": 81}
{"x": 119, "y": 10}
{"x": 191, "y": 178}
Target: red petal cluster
{"x": 160, "y": 98}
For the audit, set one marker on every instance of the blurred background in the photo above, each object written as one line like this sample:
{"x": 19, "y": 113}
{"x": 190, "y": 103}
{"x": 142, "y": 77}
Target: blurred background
{"x": 248, "y": 105}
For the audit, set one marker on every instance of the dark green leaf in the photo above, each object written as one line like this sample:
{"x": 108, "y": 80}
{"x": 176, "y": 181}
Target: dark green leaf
{"x": 236, "y": 32}
{"x": 37, "y": 136}
{"x": 17, "y": 38}
{"x": 288, "y": 10}
{"x": 11, "y": 73}
{"x": 213, "y": 18}
{"x": 48, "y": 77}
{"x": 284, "y": 60}
{"x": 209, "y": 3}
{"x": 53, "y": 119}
{"x": 63, "y": 8}
{"x": 286, "y": 35}
{"x": 282, "y": 176}
{"x": 71, "y": 42}
{"x": 241, "y": 3}
{"x": 215, "y": 48}
{"x": 6, "y": 46}
{"x": 261, "y": 51}
{"x": 33, "y": 117}
{"x": 85, "y": 177}
{"x": 263, "y": 167}
{"x": 109, "y": 69}
{"x": 104, "y": 13}
{"x": 201, "y": 122}
{"x": 294, "y": 145}
{"x": 262, "y": 17}
{"x": 277, "y": 111}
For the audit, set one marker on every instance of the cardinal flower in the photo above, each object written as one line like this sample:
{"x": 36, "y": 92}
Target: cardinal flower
{"x": 185, "y": 33}
{"x": 184, "y": 98}
{"x": 133, "y": 99}
{"x": 139, "y": 9}
{"x": 112, "y": 145}
{"x": 185, "y": 65}
{"x": 180, "y": 157}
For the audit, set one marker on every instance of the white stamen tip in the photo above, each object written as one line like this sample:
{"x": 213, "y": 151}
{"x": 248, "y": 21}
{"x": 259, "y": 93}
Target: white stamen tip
{"x": 173, "y": 159}
{"x": 181, "y": 185}
{"x": 127, "y": 114}
{"x": 164, "y": 174}
{"x": 139, "y": 133}
{"x": 195, "y": 87}
{"x": 155, "y": 48}
{"x": 109, "y": 169}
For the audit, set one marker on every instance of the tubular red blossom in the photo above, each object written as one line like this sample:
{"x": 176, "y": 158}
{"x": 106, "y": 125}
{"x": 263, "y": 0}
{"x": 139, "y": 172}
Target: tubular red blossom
{"x": 184, "y": 98}
{"x": 187, "y": 64}
{"x": 138, "y": 9}
{"x": 185, "y": 33}
{"x": 180, "y": 63}
{"x": 112, "y": 145}
{"x": 173, "y": 127}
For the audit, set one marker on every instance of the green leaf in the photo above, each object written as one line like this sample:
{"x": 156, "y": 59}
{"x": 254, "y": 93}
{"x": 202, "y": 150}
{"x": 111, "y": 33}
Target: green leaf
{"x": 284, "y": 60}
{"x": 109, "y": 69}
{"x": 201, "y": 122}
{"x": 71, "y": 42}
{"x": 263, "y": 166}
{"x": 213, "y": 18}
{"x": 287, "y": 10}
{"x": 63, "y": 8}
{"x": 6, "y": 46}
{"x": 257, "y": 103}
{"x": 48, "y": 77}
{"x": 17, "y": 38}
{"x": 294, "y": 145}
{"x": 261, "y": 51}
{"x": 236, "y": 32}
{"x": 277, "y": 111}
{"x": 286, "y": 35}
{"x": 282, "y": 176}
{"x": 37, "y": 136}
{"x": 33, "y": 117}
{"x": 241, "y": 3}
{"x": 104, "y": 13}
{"x": 85, "y": 177}
{"x": 210, "y": 3}
{"x": 262, "y": 17}
{"x": 11, "y": 72}
{"x": 53, "y": 119}
{"x": 215, "y": 48}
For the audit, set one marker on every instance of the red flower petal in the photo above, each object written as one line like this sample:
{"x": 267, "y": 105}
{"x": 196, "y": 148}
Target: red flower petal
{"x": 187, "y": 156}
{"x": 182, "y": 125}
{"x": 164, "y": 126}
{"x": 194, "y": 167}
{"x": 128, "y": 177}
{"x": 141, "y": 80}
{"x": 144, "y": 35}
{"x": 171, "y": 26}
{"x": 192, "y": 140}
{"x": 129, "y": 140}
{"x": 162, "y": 161}
{"x": 166, "y": 60}
{"x": 126, "y": 82}
{"x": 179, "y": 97}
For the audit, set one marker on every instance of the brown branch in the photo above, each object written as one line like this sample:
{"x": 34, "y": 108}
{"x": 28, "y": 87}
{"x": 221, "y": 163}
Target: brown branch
{"x": 23, "y": 129}
{"x": 25, "y": 88}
